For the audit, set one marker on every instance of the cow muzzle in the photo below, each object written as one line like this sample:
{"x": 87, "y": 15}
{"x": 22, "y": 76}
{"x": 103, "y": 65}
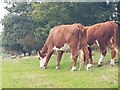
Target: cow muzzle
{"x": 42, "y": 62}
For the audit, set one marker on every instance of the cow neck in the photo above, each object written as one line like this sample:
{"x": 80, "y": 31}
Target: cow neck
{"x": 44, "y": 49}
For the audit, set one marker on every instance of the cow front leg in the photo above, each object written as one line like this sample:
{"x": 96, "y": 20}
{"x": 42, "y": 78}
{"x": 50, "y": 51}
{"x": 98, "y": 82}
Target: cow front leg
{"x": 102, "y": 57}
{"x": 74, "y": 65}
{"x": 59, "y": 56}
{"x": 74, "y": 53}
{"x": 101, "y": 60}
{"x": 103, "y": 48}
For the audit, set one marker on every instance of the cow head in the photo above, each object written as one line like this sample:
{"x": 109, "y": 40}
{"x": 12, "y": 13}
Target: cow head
{"x": 42, "y": 59}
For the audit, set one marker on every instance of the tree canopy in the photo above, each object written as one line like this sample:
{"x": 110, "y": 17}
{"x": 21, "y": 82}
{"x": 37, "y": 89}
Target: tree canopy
{"x": 27, "y": 24}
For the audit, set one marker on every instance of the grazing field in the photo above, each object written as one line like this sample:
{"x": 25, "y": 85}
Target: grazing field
{"x": 25, "y": 73}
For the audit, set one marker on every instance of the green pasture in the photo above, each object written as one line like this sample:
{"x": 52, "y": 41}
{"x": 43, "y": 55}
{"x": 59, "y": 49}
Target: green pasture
{"x": 25, "y": 73}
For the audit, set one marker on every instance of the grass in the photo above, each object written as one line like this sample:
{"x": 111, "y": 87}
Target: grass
{"x": 25, "y": 73}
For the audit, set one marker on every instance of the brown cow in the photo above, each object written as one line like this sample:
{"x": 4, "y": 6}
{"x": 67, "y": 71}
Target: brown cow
{"x": 102, "y": 33}
{"x": 62, "y": 38}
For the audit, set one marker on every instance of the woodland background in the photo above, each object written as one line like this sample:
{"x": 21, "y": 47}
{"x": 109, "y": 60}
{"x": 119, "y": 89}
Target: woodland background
{"x": 27, "y": 24}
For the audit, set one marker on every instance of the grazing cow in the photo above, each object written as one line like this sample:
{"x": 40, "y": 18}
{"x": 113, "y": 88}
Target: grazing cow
{"x": 102, "y": 34}
{"x": 62, "y": 38}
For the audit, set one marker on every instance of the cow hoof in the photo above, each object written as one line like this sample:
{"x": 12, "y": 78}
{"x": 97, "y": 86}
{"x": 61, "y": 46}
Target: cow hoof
{"x": 44, "y": 67}
{"x": 112, "y": 63}
{"x": 73, "y": 69}
{"x": 41, "y": 67}
{"x": 57, "y": 67}
{"x": 88, "y": 67}
{"x": 99, "y": 65}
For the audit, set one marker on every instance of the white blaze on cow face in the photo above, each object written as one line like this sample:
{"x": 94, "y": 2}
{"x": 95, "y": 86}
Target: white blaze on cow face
{"x": 64, "y": 48}
{"x": 101, "y": 59}
{"x": 41, "y": 60}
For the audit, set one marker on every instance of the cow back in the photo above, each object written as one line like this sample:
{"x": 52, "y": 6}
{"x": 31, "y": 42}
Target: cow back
{"x": 102, "y": 31}
{"x": 65, "y": 34}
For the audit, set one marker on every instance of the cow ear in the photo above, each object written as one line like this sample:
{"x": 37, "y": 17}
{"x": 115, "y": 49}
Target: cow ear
{"x": 39, "y": 53}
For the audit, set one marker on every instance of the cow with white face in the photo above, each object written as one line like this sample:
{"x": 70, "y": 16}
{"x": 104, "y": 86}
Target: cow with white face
{"x": 42, "y": 59}
{"x": 62, "y": 38}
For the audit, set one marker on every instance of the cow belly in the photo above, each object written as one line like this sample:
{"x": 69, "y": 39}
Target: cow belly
{"x": 64, "y": 48}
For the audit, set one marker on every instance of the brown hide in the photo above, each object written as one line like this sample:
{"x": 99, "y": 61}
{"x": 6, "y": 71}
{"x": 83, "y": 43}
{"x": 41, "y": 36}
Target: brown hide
{"x": 103, "y": 32}
{"x": 70, "y": 34}
{"x": 73, "y": 35}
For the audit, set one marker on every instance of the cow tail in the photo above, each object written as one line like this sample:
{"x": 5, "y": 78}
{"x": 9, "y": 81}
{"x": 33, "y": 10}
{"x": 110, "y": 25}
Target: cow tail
{"x": 83, "y": 41}
{"x": 115, "y": 37}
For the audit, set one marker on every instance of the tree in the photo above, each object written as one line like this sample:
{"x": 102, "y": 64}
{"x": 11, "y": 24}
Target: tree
{"x": 118, "y": 11}
{"x": 17, "y": 25}
{"x": 118, "y": 14}
{"x": 27, "y": 25}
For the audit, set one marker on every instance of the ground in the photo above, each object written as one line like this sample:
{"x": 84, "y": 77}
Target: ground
{"x": 25, "y": 73}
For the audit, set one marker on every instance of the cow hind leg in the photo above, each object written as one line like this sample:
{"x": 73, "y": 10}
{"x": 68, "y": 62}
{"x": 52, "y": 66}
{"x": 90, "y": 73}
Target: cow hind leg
{"x": 88, "y": 57}
{"x": 90, "y": 60}
{"x": 113, "y": 54}
{"x": 74, "y": 53}
{"x": 59, "y": 56}
{"x": 82, "y": 59}
{"x": 90, "y": 54}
